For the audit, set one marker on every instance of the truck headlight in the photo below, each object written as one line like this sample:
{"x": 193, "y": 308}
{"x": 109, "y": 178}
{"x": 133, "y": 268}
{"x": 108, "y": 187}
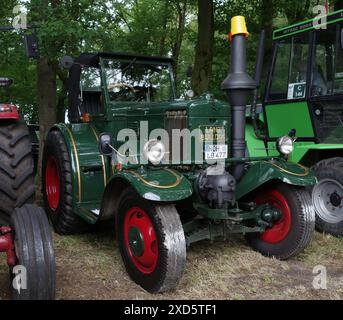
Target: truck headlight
{"x": 285, "y": 145}
{"x": 154, "y": 151}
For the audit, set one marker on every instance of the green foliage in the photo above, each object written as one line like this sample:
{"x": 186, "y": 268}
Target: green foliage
{"x": 150, "y": 27}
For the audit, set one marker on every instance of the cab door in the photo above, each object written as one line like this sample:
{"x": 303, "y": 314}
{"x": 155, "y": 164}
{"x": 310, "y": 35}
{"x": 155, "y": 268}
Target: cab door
{"x": 326, "y": 93}
{"x": 286, "y": 106}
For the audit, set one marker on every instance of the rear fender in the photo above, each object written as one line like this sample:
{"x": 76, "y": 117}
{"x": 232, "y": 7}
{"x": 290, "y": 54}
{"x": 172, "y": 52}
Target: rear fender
{"x": 11, "y": 112}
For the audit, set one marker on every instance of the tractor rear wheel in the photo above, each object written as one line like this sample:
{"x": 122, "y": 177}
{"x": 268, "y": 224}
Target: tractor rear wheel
{"x": 327, "y": 196}
{"x": 57, "y": 186}
{"x": 293, "y": 231}
{"x": 151, "y": 241}
{"x": 17, "y": 185}
{"x": 34, "y": 250}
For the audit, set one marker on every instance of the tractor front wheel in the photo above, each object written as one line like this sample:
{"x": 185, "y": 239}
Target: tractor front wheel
{"x": 152, "y": 242}
{"x": 293, "y": 231}
{"x": 34, "y": 251}
{"x": 327, "y": 196}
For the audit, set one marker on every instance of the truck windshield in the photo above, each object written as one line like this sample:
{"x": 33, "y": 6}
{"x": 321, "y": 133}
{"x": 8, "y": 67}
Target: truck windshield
{"x": 137, "y": 81}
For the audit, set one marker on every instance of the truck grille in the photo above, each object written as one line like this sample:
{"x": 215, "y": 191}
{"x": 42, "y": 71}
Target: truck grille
{"x": 178, "y": 120}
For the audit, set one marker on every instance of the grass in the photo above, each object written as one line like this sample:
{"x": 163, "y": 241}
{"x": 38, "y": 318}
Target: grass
{"x": 89, "y": 267}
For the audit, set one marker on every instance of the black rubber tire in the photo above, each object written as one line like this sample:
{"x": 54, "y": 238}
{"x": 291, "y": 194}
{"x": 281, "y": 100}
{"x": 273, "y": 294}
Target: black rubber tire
{"x": 64, "y": 220}
{"x": 301, "y": 230}
{"x": 171, "y": 243}
{"x": 17, "y": 185}
{"x": 34, "y": 250}
{"x": 329, "y": 169}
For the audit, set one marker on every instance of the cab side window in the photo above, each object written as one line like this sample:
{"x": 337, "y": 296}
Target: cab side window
{"x": 327, "y": 67}
{"x": 289, "y": 77}
{"x": 279, "y": 82}
{"x": 338, "y": 87}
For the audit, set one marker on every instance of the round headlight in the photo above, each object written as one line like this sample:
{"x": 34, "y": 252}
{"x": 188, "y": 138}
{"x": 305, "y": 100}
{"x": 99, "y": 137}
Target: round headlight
{"x": 154, "y": 151}
{"x": 285, "y": 145}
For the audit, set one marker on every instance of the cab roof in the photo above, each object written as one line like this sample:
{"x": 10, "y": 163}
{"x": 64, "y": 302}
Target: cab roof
{"x": 92, "y": 59}
{"x": 306, "y": 25}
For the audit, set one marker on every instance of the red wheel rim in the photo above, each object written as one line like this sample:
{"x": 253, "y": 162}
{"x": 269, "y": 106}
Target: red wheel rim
{"x": 52, "y": 183}
{"x": 138, "y": 222}
{"x": 281, "y": 228}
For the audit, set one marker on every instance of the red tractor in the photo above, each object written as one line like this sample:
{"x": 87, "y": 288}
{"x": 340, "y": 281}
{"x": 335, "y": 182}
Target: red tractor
{"x": 25, "y": 234}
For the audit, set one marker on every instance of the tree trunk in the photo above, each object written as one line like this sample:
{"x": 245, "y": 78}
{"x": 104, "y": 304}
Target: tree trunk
{"x": 267, "y": 14}
{"x": 164, "y": 28}
{"x": 181, "y": 9}
{"x": 204, "y": 49}
{"x": 46, "y": 101}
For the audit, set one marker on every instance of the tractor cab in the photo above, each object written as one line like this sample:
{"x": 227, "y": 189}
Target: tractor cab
{"x": 100, "y": 81}
{"x": 304, "y": 99}
{"x": 304, "y": 89}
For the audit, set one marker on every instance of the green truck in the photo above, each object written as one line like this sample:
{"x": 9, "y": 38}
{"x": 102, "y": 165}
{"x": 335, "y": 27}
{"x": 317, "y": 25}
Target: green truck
{"x": 125, "y": 156}
{"x": 304, "y": 99}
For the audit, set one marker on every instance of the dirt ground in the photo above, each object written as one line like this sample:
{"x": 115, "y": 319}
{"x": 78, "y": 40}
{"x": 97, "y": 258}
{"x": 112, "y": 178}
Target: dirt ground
{"x": 89, "y": 267}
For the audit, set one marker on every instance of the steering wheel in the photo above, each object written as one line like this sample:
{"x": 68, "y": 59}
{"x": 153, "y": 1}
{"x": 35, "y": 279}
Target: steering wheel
{"x": 121, "y": 85}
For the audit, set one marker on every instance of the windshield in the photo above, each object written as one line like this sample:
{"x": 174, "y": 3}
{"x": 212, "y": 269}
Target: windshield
{"x": 132, "y": 80}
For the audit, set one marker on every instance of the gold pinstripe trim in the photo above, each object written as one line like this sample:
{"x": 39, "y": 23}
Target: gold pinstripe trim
{"x": 77, "y": 162}
{"x": 177, "y": 182}
{"x": 102, "y": 157}
{"x": 307, "y": 170}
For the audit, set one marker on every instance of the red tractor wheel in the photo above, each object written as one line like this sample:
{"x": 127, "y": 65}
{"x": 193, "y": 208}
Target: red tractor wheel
{"x": 34, "y": 275}
{"x": 151, "y": 241}
{"x": 293, "y": 231}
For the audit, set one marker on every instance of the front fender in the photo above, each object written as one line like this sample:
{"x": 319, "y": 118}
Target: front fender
{"x": 261, "y": 172}
{"x": 164, "y": 185}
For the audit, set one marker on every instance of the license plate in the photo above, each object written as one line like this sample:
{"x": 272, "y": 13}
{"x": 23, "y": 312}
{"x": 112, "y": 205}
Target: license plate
{"x": 215, "y": 151}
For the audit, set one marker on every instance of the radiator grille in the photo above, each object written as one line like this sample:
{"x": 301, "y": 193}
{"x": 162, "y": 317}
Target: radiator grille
{"x": 178, "y": 120}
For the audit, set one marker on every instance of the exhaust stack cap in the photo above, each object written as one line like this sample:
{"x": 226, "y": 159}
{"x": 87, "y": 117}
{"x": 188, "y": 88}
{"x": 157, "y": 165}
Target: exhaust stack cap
{"x": 238, "y": 26}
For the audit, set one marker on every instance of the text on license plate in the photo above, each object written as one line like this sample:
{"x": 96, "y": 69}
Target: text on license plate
{"x": 216, "y": 151}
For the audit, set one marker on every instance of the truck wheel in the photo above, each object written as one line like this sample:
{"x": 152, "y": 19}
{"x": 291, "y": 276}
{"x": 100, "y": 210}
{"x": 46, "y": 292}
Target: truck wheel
{"x": 327, "y": 196}
{"x": 292, "y": 233}
{"x": 17, "y": 185}
{"x": 57, "y": 186}
{"x": 151, "y": 242}
{"x": 34, "y": 250}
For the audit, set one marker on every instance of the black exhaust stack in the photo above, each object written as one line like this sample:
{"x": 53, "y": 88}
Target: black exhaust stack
{"x": 238, "y": 87}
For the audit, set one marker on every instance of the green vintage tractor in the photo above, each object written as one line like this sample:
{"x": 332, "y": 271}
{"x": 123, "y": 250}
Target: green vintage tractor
{"x": 170, "y": 172}
{"x": 304, "y": 98}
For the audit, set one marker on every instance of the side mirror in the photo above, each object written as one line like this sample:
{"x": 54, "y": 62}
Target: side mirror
{"x": 105, "y": 144}
{"x": 4, "y": 82}
{"x": 67, "y": 62}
